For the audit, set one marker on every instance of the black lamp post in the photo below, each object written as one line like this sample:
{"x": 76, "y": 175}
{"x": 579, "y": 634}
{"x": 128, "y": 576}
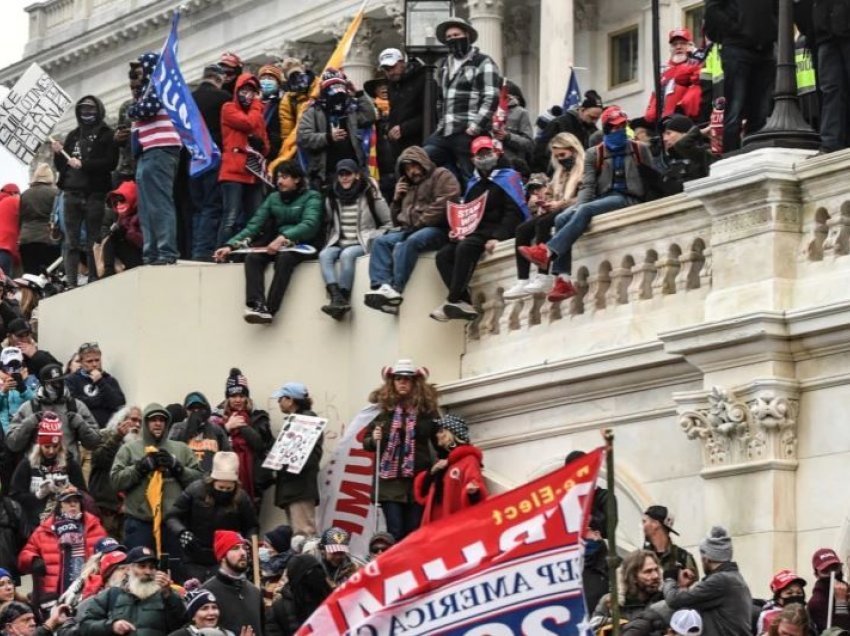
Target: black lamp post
{"x": 421, "y": 18}
{"x": 786, "y": 127}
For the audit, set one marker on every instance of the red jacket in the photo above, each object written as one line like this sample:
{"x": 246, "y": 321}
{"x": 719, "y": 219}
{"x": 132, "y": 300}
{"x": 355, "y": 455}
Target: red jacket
{"x": 44, "y": 544}
{"x": 236, "y": 125}
{"x": 682, "y": 93}
{"x": 465, "y": 463}
{"x": 9, "y": 227}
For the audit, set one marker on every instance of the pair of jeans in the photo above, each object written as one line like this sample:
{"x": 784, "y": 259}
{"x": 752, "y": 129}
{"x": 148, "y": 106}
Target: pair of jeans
{"x": 255, "y": 270}
{"x": 82, "y": 208}
{"x": 155, "y": 174}
{"x": 456, "y": 262}
{"x": 347, "y": 257}
{"x": 401, "y": 518}
{"x": 451, "y": 152}
{"x": 239, "y": 202}
{"x": 205, "y": 192}
{"x": 394, "y": 254}
{"x": 748, "y": 78}
{"x": 577, "y": 219}
{"x": 834, "y": 80}
{"x": 537, "y": 229}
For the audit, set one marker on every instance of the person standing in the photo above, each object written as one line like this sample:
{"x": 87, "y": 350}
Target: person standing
{"x": 829, "y": 571}
{"x": 831, "y": 19}
{"x": 271, "y": 80}
{"x": 240, "y": 601}
{"x": 93, "y": 386}
{"x": 37, "y": 250}
{"x": 406, "y": 92}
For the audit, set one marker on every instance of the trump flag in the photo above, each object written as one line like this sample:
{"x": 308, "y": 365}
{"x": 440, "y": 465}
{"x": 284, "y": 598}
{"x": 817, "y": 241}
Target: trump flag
{"x": 509, "y": 565}
{"x": 167, "y": 80}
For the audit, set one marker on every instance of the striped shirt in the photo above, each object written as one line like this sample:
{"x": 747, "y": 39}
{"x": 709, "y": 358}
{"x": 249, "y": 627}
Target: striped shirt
{"x": 157, "y": 132}
{"x": 469, "y": 93}
{"x": 348, "y": 224}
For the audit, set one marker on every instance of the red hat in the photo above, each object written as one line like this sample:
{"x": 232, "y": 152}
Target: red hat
{"x": 10, "y": 188}
{"x": 109, "y": 561}
{"x": 614, "y": 115}
{"x": 783, "y": 579}
{"x": 680, "y": 32}
{"x": 49, "y": 429}
{"x": 230, "y": 60}
{"x": 480, "y": 143}
{"x": 224, "y": 541}
{"x": 824, "y": 558}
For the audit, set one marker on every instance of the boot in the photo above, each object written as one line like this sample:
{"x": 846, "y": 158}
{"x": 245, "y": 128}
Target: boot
{"x": 338, "y": 305}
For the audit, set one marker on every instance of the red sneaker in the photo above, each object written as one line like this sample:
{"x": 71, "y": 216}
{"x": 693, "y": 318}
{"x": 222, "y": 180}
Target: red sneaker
{"x": 536, "y": 254}
{"x": 562, "y": 290}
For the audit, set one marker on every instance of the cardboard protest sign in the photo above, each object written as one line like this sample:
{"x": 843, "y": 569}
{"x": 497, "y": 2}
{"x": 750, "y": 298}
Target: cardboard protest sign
{"x": 295, "y": 442}
{"x": 465, "y": 217}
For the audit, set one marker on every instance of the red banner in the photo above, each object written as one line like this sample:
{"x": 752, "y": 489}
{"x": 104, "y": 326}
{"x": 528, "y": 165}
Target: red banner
{"x": 465, "y": 217}
{"x": 510, "y": 565}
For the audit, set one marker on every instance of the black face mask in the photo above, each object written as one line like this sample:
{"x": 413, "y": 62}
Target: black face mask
{"x": 567, "y": 163}
{"x": 223, "y": 497}
{"x": 788, "y": 600}
{"x": 459, "y": 47}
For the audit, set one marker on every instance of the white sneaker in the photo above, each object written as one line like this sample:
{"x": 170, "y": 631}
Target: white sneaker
{"x": 439, "y": 314}
{"x": 388, "y": 291}
{"x": 383, "y": 296}
{"x": 516, "y": 291}
{"x": 461, "y": 310}
{"x": 540, "y": 284}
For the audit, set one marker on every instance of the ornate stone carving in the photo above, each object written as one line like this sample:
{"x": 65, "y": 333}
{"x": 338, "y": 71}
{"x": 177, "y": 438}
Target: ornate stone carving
{"x": 735, "y": 432}
{"x": 516, "y": 29}
{"x": 395, "y": 11}
{"x": 485, "y": 8}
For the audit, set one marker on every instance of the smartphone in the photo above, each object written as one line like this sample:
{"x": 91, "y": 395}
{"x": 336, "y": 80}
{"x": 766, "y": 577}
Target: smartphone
{"x": 163, "y": 565}
{"x": 19, "y": 381}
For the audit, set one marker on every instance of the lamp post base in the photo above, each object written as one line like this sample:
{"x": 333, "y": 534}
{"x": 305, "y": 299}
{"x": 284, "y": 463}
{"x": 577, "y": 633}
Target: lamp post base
{"x": 785, "y": 128}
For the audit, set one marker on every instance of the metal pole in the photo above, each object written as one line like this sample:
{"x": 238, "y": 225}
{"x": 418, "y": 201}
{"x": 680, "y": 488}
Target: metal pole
{"x": 377, "y": 481}
{"x": 611, "y": 519}
{"x": 429, "y": 97}
{"x": 656, "y": 62}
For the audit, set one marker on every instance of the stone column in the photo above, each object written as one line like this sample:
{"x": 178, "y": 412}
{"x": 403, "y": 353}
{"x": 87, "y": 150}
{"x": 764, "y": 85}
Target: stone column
{"x": 556, "y": 50}
{"x": 486, "y": 17}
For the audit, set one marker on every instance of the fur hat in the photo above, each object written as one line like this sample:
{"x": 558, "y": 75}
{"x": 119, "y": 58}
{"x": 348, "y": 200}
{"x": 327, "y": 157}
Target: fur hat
{"x": 291, "y": 65}
{"x": 224, "y": 541}
{"x": 271, "y": 69}
{"x": 49, "y": 429}
{"x": 717, "y": 546}
{"x": 237, "y": 384}
{"x": 225, "y": 466}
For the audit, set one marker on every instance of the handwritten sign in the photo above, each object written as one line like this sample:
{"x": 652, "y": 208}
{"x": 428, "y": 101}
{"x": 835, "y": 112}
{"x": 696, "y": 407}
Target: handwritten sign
{"x": 295, "y": 442}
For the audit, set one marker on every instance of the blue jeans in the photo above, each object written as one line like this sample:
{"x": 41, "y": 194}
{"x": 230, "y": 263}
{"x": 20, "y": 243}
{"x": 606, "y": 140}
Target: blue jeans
{"x": 748, "y": 78}
{"x": 394, "y": 255}
{"x": 240, "y": 201}
{"x": 451, "y": 152}
{"x": 573, "y": 225}
{"x": 347, "y": 257}
{"x": 155, "y": 173}
{"x": 401, "y": 518}
{"x": 205, "y": 192}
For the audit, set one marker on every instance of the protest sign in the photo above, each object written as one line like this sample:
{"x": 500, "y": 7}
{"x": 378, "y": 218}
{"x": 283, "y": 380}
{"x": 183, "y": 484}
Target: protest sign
{"x": 465, "y": 217}
{"x": 295, "y": 442}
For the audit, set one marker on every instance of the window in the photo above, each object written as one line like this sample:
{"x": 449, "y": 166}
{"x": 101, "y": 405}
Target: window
{"x": 692, "y": 18}
{"x": 623, "y": 53}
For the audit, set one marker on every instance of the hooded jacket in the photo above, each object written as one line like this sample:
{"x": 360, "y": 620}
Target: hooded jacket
{"x": 465, "y": 462}
{"x": 129, "y": 221}
{"x": 424, "y": 204}
{"x": 36, "y": 206}
{"x": 10, "y": 225}
{"x": 127, "y": 478}
{"x": 303, "y": 593}
{"x": 237, "y": 124}
{"x": 92, "y": 145}
{"x": 200, "y": 433}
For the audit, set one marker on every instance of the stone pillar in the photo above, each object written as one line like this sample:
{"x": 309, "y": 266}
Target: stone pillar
{"x": 556, "y": 50}
{"x": 486, "y": 17}
{"x": 361, "y": 61}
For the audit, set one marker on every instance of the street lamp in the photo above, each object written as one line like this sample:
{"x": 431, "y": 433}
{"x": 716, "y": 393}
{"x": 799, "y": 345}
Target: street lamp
{"x": 786, "y": 127}
{"x": 421, "y": 18}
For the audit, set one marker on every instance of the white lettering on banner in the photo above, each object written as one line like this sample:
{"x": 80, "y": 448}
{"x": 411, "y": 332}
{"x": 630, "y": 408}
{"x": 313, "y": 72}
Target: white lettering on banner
{"x": 571, "y": 507}
{"x": 437, "y": 570}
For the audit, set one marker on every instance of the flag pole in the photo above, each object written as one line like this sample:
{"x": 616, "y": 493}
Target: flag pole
{"x": 656, "y": 63}
{"x": 377, "y": 481}
{"x": 611, "y": 520}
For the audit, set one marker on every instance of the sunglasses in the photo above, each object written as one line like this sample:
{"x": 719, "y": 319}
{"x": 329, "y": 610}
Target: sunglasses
{"x": 88, "y": 346}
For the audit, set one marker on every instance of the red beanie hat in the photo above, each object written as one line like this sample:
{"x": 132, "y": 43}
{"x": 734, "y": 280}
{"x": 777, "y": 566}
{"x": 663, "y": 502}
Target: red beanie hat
{"x": 224, "y": 541}
{"x": 49, "y": 429}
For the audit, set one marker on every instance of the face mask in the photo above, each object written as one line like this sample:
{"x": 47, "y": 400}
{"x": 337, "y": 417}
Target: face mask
{"x": 458, "y": 47}
{"x": 51, "y": 392}
{"x": 245, "y": 100}
{"x": 797, "y": 598}
{"x": 567, "y": 163}
{"x": 592, "y": 546}
{"x": 616, "y": 138}
{"x": 222, "y": 497}
{"x": 87, "y": 118}
{"x": 264, "y": 553}
{"x": 337, "y": 103}
{"x": 269, "y": 87}
{"x": 485, "y": 164}
{"x": 512, "y": 101}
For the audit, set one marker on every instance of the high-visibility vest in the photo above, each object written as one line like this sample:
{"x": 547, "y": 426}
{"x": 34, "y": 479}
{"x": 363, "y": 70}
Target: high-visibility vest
{"x": 806, "y": 79}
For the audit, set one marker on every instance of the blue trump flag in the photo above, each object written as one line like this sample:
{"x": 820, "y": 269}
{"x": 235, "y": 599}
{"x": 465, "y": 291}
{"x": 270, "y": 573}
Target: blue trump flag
{"x": 572, "y": 98}
{"x": 182, "y": 110}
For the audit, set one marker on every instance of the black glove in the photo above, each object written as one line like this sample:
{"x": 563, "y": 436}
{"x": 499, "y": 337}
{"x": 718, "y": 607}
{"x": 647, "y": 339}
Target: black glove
{"x": 146, "y": 464}
{"x": 38, "y": 567}
{"x": 169, "y": 462}
{"x": 255, "y": 142}
{"x": 672, "y": 573}
{"x": 117, "y": 230}
{"x": 188, "y": 540}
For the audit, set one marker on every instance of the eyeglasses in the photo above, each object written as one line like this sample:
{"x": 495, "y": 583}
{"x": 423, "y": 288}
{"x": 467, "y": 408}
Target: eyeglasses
{"x": 88, "y": 346}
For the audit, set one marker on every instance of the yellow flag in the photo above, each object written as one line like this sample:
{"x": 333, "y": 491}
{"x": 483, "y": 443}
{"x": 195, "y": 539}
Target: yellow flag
{"x": 153, "y": 494}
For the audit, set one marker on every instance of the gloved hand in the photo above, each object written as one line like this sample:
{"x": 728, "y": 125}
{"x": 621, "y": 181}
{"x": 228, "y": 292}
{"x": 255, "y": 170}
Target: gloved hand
{"x": 38, "y": 567}
{"x": 45, "y": 488}
{"x": 147, "y": 464}
{"x": 188, "y": 540}
{"x": 167, "y": 461}
{"x": 255, "y": 142}
{"x": 672, "y": 573}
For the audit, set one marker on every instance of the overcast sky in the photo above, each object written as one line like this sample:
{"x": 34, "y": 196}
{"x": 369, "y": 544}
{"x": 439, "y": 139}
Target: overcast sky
{"x": 15, "y": 31}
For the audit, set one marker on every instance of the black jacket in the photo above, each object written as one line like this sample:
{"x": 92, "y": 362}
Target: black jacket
{"x": 305, "y": 590}
{"x": 501, "y": 214}
{"x": 210, "y": 100}
{"x": 303, "y": 486}
{"x": 103, "y": 398}
{"x": 568, "y": 122}
{"x": 100, "y": 483}
{"x": 27, "y": 477}
{"x": 407, "y": 105}
{"x": 93, "y": 146}
{"x": 240, "y": 603}
{"x": 830, "y": 20}
{"x": 749, "y": 24}
{"x": 13, "y": 533}
{"x": 688, "y": 159}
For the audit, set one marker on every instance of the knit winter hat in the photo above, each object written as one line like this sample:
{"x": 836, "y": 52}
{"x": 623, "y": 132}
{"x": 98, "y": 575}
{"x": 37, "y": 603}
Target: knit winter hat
{"x": 280, "y": 538}
{"x": 381, "y": 537}
{"x": 455, "y": 425}
{"x": 678, "y": 123}
{"x": 196, "y": 599}
{"x": 224, "y": 541}
{"x": 271, "y": 69}
{"x": 225, "y": 466}
{"x": 12, "y": 611}
{"x": 332, "y": 77}
{"x": 717, "y": 546}
{"x": 49, "y": 429}
{"x": 4, "y": 574}
{"x": 237, "y": 384}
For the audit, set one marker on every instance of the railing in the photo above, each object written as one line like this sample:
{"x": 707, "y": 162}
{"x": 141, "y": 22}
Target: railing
{"x": 57, "y": 13}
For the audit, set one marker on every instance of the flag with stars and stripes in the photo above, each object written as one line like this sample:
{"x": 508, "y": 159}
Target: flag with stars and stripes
{"x": 572, "y": 97}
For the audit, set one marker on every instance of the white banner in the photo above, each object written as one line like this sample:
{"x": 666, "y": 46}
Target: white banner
{"x": 30, "y": 111}
{"x": 295, "y": 442}
{"x": 345, "y": 485}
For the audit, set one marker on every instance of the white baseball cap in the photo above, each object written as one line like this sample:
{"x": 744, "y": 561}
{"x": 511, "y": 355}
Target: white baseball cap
{"x": 390, "y": 57}
{"x": 10, "y": 354}
{"x": 686, "y": 622}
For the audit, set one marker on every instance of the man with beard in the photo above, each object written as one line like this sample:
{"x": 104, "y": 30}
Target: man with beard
{"x": 240, "y": 601}
{"x": 642, "y": 578}
{"x": 144, "y": 606}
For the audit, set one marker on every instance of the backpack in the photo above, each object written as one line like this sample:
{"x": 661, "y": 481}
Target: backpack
{"x": 652, "y": 183}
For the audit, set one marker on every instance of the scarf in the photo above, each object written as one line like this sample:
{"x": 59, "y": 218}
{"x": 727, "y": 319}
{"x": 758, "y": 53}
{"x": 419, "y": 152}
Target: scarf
{"x": 350, "y": 196}
{"x": 72, "y": 548}
{"x": 616, "y": 143}
{"x": 383, "y": 105}
{"x": 153, "y": 494}
{"x": 246, "y": 456}
{"x": 392, "y": 455}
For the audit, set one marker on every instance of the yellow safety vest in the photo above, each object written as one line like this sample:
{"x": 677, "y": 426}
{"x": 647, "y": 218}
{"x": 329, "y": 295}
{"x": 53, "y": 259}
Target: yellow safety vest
{"x": 806, "y": 81}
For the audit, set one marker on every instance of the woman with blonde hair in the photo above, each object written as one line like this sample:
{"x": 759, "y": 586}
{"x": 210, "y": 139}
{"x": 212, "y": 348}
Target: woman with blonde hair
{"x": 566, "y": 158}
{"x": 403, "y": 436}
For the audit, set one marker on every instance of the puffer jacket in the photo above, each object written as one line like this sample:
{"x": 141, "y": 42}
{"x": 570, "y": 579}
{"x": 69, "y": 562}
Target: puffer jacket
{"x": 157, "y": 615}
{"x": 445, "y": 493}
{"x": 9, "y": 225}
{"x": 292, "y": 106}
{"x": 299, "y": 220}
{"x": 237, "y": 124}
{"x": 424, "y": 204}
{"x": 126, "y": 477}
{"x": 367, "y": 229}
{"x": 44, "y": 544}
